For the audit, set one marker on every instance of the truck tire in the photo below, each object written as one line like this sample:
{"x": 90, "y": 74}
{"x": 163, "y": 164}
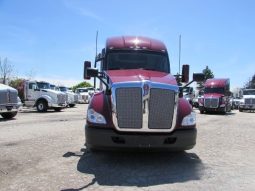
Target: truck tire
{"x": 241, "y": 110}
{"x": 57, "y": 109}
{"x": 201, "y": 111}
{"x": 9, "y": 115}
{"x": 224, "y": 111}
{"x": 71, "y": 105}
{"x": 41, "y": 106}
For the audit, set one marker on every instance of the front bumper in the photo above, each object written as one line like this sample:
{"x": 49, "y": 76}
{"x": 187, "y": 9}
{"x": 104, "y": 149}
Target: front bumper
{"x": 9, "y": 108}
{"x": 218, "y": 109}
{"x": 61, "y": 105}
{"x": 247, "y": 107}
{"x": 102, "y": 138}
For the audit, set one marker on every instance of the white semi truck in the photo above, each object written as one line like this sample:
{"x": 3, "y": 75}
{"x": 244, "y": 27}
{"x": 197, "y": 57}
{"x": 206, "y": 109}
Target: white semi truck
{"x": 9, "y": 102}
{"x": 40, "y": 95}
{"x": 83, "y": 95}
{"x": 248, "y": 101}
{"x": 72, "y": 98}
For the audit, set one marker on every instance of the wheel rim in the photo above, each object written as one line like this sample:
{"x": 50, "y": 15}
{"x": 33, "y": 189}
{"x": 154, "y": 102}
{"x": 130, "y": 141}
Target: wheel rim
{"x": 40, "y": 106}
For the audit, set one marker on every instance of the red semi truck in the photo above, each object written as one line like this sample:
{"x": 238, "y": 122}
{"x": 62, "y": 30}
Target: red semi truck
{"x": 216, "y": 96}
{"x": 138, "y": 105}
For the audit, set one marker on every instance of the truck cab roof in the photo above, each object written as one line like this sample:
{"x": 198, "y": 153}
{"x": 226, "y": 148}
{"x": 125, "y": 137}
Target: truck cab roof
{"x": 135, "y": 42}
{"x": 216, "y": 82}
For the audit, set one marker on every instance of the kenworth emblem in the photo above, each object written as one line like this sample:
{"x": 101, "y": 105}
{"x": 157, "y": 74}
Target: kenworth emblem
{"x": 145, "y": 89}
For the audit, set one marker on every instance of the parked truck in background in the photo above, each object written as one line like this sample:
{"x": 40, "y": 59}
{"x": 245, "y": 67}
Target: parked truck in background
{"x": 40, "y": 95}
{"x": 216, "y": 96}
{"x": 138, "y": 105}
{"x": 189, "y": 94}
{"x": 248, "y": 100}
{"x": 83, "y": 95}
{"x": 9, "y": 102}
{"x": 72, "y": 98}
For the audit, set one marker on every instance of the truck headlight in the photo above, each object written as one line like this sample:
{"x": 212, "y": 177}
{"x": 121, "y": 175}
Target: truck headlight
{"x": 95, "y": 117}
{"x": 189, "y": 119}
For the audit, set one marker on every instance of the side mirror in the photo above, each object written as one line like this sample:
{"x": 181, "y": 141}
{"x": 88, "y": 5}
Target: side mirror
{"x": 198, "y": 77}
{"x": 185, "y": 73}
{"x": 92, "y": 72}
{"x": 87, "y": 64}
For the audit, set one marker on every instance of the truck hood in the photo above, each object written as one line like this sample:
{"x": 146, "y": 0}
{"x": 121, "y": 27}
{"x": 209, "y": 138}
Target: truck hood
{"x": 52, "y": 91}
{"x": 133, "y": 75}
{"x": 5, "y": 88}
{"x": 213, "y": 95}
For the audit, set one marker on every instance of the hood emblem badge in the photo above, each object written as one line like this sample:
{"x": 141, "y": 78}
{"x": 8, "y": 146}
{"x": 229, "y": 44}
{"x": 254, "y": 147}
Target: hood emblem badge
{"x": 145, "y": 89}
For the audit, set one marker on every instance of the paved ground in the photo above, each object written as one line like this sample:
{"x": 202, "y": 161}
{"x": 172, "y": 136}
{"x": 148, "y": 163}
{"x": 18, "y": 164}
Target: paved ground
{"x": 45, "y": 151}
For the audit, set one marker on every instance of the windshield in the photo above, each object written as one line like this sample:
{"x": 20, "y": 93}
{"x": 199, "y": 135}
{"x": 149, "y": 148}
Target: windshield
{"x": 91, "y": 89}
{"x": 52, "y": 87}
{"x": 249, "y": 92}
{"x": 214, "y": 90}
{"x": 82, "y": 90}
{"x": 63, "y": 89}
{"x": 138, "y": 60}
{"x": 43, "y": 85}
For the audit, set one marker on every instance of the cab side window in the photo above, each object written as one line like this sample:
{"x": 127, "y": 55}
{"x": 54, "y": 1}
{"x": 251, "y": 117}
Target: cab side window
{"x": 32, "y": 86}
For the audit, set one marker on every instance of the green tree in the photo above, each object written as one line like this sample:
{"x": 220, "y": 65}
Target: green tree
{"x": 81, "y": 85}
{"x": 18, "y": 84}
{"x": 251, "y": 83}
{"x": 208, "y": 74}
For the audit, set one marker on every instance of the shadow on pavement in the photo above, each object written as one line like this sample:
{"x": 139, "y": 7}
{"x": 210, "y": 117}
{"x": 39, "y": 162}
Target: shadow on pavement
{"x": 139, "y": 169}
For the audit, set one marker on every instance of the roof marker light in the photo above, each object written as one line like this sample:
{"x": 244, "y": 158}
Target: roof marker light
{"x": 136, "y": 41}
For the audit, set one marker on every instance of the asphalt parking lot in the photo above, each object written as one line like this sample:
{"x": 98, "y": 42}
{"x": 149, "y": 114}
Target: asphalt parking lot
{"x": 45, "y": 151}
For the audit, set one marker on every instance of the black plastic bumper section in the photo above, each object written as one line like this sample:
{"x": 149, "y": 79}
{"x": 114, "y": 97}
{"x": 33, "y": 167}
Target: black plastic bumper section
{"x": 104, "y": 138}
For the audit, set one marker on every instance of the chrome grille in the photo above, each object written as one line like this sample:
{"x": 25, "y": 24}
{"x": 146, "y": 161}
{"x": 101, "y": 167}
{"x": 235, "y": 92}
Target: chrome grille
{"x": 211, "y": 102}
{"x": 161, "y": 108}
{"x": 85, "y": 97}
{"x": 76, "y": 98}
{"x": 13, "y": 97}
{"x": 3, "y": 97}
{"x": 249, "y": 101}
{"x": 61, "y": 98}
{"x": 129, "y": 107}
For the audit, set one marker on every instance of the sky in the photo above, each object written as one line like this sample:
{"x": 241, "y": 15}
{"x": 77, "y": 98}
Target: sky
{"x": 50, "y": 40}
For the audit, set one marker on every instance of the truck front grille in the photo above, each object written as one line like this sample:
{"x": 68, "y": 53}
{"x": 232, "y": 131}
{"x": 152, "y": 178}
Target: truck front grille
{"x": 152, "y": 112}
{"x": 3, "y": 97}
{"x": 161, "y": 108}
{"x": 211, "y": 102}
{"x": 13, "y": 97}
{"x": 61, "y": 98}
{"x": 8, "y": 97}
{"x": 249, "y": 101}
{"x": 129, "y": 107}
{"x": 76, "y": 98}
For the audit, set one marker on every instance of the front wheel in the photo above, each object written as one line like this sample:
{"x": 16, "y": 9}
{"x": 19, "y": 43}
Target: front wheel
{"x": 241, "y": 110}
{"x": 41, "y": 106}
{"x": 9, "y": 115}
{"x": 201, "y": 111}
{"x": 71, "y": 105}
